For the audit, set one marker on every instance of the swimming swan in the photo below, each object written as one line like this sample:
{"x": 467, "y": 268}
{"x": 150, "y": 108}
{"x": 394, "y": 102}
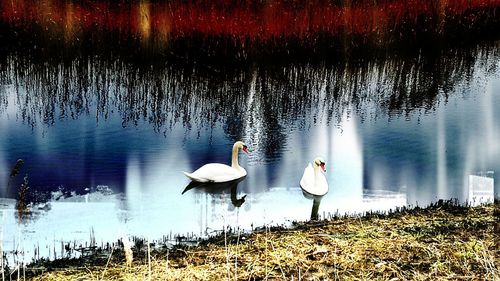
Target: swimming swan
{"x": 216, "y": 172}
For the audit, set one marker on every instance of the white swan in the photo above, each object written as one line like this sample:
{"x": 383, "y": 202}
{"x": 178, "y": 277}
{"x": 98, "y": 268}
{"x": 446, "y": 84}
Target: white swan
{"x": 215, "y": 172}
{"x": 313, "y": 182}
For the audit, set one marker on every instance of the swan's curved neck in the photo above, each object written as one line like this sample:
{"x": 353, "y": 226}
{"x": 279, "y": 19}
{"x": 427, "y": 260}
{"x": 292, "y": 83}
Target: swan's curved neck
{"x": 234, "y": 159}
{"x": 317, "y": 170}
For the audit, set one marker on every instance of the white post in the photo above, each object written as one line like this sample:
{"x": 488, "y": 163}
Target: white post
{"x": 481, "y": 190}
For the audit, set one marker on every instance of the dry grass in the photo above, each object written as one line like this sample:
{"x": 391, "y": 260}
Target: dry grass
{"x": 440, "y": 242}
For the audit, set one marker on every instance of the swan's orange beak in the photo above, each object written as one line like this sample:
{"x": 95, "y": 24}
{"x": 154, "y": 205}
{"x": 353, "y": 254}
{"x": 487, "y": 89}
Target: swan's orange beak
{"x": 245, "y": 149}
{"x": 323, "y": 167}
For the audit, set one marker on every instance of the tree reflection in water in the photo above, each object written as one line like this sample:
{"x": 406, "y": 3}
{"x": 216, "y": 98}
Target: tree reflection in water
{"x": 274, "y": 98}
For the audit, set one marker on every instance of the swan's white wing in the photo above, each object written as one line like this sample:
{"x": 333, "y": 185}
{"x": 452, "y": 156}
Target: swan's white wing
{"x": 321, "y": 186}
{"x": 215, "y": 172}
{"x": 307, "y": 180}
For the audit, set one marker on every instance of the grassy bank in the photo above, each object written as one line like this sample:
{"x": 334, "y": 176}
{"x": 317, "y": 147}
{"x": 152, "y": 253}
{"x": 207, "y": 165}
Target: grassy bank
{"x": 442, "y": 241}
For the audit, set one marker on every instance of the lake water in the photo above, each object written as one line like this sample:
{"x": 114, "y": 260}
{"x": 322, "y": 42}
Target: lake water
{"x": 104, "y": 140}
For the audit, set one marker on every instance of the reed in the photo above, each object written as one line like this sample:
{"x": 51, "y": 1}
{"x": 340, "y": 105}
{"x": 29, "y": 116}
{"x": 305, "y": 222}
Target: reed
{"x": 127, "y": 248}
{"x": 22, "y": 202}
{"x": 149, "y": 260}
{"x": 3, "y": 265}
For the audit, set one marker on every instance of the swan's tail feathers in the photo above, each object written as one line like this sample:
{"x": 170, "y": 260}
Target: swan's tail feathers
{"x": 190, "y": 176}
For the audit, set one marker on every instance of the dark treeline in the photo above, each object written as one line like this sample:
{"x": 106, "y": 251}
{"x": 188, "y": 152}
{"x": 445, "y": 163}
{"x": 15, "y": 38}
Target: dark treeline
{"x": 246, "y": 31}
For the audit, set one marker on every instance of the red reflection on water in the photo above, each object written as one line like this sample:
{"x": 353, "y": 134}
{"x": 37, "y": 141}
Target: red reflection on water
{"x": 243, "y": 22}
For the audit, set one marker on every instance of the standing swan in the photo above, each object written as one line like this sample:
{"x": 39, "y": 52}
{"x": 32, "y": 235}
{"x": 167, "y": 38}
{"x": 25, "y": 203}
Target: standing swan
{"x": 215, "y": 172}
{"x": 313, "y": 182}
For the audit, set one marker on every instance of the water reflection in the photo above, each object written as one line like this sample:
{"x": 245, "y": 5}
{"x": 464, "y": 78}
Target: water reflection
{"x": 261, "y": 103}
{"x": 315, "y": 209}
{"x": 77, "y": 112}
{"x": 219, "y": 188}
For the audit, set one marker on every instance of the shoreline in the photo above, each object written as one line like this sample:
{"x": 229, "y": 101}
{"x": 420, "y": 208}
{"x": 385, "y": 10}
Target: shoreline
{"x": 442, "y": 240}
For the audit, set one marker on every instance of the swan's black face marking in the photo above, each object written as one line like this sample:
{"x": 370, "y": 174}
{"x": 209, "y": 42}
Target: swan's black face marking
{"x": 322, "y": 165}
{"x": 245, "y": 149}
